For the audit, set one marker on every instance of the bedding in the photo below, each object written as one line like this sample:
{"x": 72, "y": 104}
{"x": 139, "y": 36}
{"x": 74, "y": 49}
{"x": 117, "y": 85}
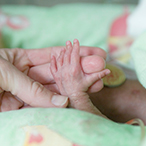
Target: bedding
{"x": 64, "y": 127}
{"x": 38, "y": 27}
{"x": 138, "y": 52}
{"x": 99, "y": 25}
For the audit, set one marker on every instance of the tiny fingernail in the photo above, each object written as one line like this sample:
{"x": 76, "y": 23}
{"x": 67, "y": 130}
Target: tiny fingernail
{"x": 75, "y": 40}
{"x": 68, "y": 42}
{"x": 59, "y": 100}
{"x": 108, "y": 72}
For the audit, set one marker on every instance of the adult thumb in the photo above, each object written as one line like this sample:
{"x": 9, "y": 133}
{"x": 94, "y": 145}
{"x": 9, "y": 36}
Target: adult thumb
{"x": 28, "y": 90}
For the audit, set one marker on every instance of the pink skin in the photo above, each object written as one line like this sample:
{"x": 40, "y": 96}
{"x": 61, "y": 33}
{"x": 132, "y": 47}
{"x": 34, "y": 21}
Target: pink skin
{"x": 35, "y": 63}
{"x": 70, "y": 78}
{"x": 95, "y": 62}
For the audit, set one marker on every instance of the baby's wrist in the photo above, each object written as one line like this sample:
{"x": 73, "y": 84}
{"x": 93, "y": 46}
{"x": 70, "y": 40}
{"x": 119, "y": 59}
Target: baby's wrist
{"x": 78, "y": 95}
{"x": 77, "y": 100}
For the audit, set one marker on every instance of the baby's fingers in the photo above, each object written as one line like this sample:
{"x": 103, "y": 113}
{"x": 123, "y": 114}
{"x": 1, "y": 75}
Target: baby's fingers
{"x": 75, "y": 57}
{"x": 53, "y": 66}
{"x": 60, "y": 59}
{"x": 67, "y": 55}
{"x": 28, "y": 90}
{"x": 91, "y": 78}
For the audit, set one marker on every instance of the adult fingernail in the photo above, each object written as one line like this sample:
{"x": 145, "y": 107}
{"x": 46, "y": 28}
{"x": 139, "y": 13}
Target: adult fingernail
{"x": 59, "y": 100}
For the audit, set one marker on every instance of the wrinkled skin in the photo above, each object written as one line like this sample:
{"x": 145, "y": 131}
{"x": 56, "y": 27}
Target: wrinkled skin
{"x": 119, "y": 104}
{"x": 71, "y": 80}
{"x": 20, "y": 81}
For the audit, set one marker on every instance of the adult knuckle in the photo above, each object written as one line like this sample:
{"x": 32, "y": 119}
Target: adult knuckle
{"x": 36, "y": 92}
{"x": 37, "y": 88}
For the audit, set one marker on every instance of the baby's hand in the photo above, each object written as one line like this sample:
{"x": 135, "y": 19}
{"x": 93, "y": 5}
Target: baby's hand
{"x": 68, "y": 73}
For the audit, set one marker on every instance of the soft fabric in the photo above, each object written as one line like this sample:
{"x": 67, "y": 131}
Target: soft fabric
{"x": 40, "y": 127}
{"x": 38, "y": 27}
{"x": 120, "y": 41}
{"x": 138, "y": 52}
{"x": 136, "y": 22}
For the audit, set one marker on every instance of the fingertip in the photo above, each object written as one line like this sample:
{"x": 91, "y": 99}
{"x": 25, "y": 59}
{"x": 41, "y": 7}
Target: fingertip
{"x": 93, "y": 63}
{"x": 68, "y": 43}
{"x": 76, "y": 45}
{"x": 107, "y": 71}
{"x": 75, "y": 41}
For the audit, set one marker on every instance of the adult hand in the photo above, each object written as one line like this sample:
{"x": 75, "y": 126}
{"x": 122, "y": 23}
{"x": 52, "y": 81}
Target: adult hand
{"x": 35, "y": 63}
{"x": 92, "y": 60}
{"x": 16, "y": 87}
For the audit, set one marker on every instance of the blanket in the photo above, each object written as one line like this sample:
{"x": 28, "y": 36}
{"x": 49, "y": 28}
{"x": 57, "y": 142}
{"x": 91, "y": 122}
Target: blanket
{"x": 94, "y": 25}
{"x": 64, "y": 127}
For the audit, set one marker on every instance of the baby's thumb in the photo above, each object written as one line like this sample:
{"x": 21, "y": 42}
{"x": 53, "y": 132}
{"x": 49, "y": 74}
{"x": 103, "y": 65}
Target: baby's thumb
{"x": 28, "y": 90}
{"x": 92, "y": 78}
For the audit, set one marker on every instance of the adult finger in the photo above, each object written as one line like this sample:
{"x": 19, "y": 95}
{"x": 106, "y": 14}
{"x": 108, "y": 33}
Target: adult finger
{"x": 41, "y": 73}
{"x": 42, "y": 56}
{"x": 28, "y": 90}
{"x": 90, "y": 64}
{"x": 96, "y": 87}
{"x": 39, "y": 56}
{"x": 52, "y": 87}
{"x": 86, "y": 51}
{"x": 9, "y": 102}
